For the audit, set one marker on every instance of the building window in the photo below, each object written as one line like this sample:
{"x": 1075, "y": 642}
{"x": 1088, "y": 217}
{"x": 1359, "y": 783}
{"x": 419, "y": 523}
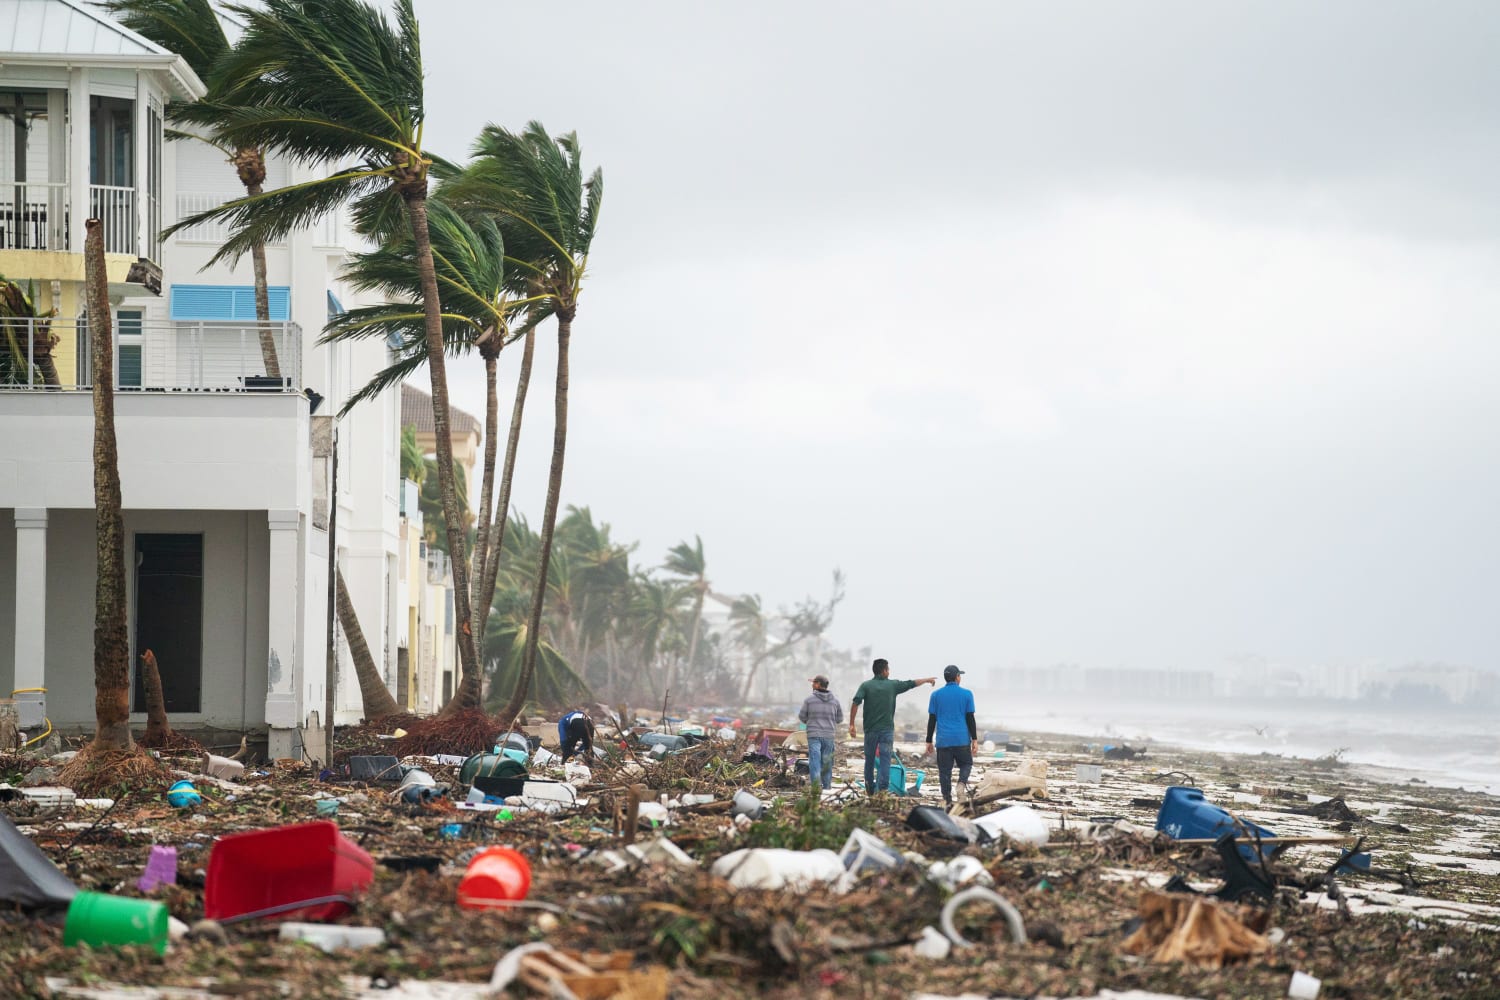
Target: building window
{"x": 227, "y": 302}
{"x": 128, "y": 332}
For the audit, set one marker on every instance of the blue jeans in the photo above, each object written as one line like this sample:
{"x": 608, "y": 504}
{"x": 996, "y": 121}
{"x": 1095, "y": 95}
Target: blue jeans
{"x": 878, "y": 751}
{"x": 820, "y": 760}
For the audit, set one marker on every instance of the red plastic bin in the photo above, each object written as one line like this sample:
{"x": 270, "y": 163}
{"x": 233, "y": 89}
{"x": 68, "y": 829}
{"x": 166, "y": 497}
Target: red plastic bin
{"x": 267, "y": 872}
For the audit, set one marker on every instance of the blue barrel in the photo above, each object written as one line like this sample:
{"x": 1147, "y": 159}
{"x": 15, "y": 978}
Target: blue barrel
{"x": 1186, "y": 815}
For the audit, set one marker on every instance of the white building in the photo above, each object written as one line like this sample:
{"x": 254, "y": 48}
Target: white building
{"x": 224, "y": 472}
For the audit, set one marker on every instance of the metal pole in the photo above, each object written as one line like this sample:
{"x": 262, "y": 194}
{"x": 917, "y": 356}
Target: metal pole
{"x": 331, "y": 680}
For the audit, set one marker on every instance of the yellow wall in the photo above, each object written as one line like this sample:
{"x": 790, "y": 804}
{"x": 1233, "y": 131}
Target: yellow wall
{"x": 41, "y": 268}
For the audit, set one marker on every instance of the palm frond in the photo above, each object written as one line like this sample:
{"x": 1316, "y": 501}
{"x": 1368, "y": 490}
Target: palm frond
{"x": 190, "y": 28}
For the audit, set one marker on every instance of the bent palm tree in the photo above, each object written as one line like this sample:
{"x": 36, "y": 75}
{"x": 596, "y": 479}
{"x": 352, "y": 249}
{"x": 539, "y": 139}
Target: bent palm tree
{"x": 535, "y": 188}
{"x": 194, "y": 30}
{"x": 334, "y": 81}
{"x": 469, "y": 260}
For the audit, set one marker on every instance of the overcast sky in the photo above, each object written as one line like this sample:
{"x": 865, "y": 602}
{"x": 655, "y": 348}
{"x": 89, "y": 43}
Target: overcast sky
{"x": 1145, "y": 334}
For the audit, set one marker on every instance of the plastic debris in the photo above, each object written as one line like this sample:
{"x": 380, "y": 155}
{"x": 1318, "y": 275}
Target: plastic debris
{"x": 864, "y": 851}
{"x": 183, "y": 795}
{"x": 331, "y": 937}
{"x": 960, "y": 871}
{"x": 1019, "y": 824}
{"x": 161, "y": 868}
{"x": 779, "y": 868}
{"x": 932, "y": 944}
{"x": 981, "y": 895}
{"x": 747, "y": 804}
{"x": 1304, "y": 987}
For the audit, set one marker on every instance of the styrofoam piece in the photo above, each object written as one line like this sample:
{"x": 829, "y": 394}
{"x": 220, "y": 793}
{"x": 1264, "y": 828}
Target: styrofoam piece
{"x": 330, "y": 937}
{"x": 654, "y": 812}
{"x": 1022, "y": 824}
{"x": 932, "y": 944}
{"x": 1089, "y": 773}
{"x": 50, "y": 795}
{"x": 554, "y": 791}
{"x": 779, "y": 868}
{"x": 222, "y": 767}
{"x": 1304, "y": 987}
{"x": 577, "y": 774}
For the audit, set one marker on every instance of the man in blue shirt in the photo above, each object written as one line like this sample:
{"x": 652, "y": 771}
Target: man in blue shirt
{"x": 574, "y": 730}
{"x": 950, "y": 712}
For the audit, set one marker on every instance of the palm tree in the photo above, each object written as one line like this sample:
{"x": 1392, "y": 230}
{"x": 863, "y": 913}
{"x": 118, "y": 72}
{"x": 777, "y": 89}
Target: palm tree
{"x": 535, "y": 188}
{"x": 469, "y": 259}
{"x": 687, "y": 561}
{"x": 335, "y": 81}
{"x": 26, "y": 349}
{"x": 194, "y": 30}
{"x": 111, "y": 645}
{"x": 373, "y": 694}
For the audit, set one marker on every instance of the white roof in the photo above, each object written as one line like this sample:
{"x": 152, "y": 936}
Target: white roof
{"x": 66, "y": 30}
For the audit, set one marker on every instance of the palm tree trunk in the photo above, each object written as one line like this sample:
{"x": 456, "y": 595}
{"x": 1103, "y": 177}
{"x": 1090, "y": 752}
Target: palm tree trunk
{"x": 549, "y": 518}
{"x": 375, "y": 698}
{"x": 263, "y": 300}
{"x": 468, "y": 655}
{"x": 480, "y": 556}
{"x": 42, "y": 342}
{"x": 507, "y": 476}
{"x": 158, "y": 729}
{"x": 111, "y": 646}
{"x": 697, "y": 621}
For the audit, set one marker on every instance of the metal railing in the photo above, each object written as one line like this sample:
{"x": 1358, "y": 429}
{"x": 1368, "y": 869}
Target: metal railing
{"x": 114, "y": 207}
{"x": 33, "y": 216}
{"x": 190, "y": 203}
{"x": 163, "y": 356}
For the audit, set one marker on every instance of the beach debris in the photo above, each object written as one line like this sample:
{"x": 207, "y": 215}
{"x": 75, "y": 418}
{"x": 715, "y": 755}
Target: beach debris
{"x": 864, "y": 851}
{"x": 309, "y": 871}
{"x": 494, "y": 877}
{"x": 378, "y": 768}
{"x": 1018, "y": 824}
{"x": 1195, "y": 930}
{"x": 979, "y": 894}
{"x": 1334, "y": 810}
{"x": 1123, "y": 752}
{"x": 183, "y": 795}
{"x": 161, "y": 868}
{"x": 1088, "y": 773}
{"x": 931, "y": 819}
{"x": 748, "y": 804}
{"x": 960, "y": 871}
{"x": 331, "y": 937}
{"x": 550, "y": 972}
{"x": 225, "y": 768}
{"x": 28, "y": 878}
{"x": 1304, "y": 987}
{"x": 1186, "y": 815}
{"x": 1240, "y": 880}
{"x": 932, "y": 944}
{"x": 780, "y": 868}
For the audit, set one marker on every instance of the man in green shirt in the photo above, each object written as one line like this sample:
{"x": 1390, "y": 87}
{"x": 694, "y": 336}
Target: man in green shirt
{"x": 879, "y": 695}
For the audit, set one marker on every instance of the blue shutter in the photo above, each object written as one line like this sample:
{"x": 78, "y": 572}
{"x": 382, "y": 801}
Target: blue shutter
{"x": 227, "y": 302}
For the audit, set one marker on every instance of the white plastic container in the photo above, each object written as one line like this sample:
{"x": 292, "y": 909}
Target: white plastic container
{"x": 542, "y": 757}
{"x": 332, "y": 936}
{"x": 778, "y": 868}
{"x": 864, "y": 851}
{"x": 1021, "y": 824}
{"x": 1089, "y": 773}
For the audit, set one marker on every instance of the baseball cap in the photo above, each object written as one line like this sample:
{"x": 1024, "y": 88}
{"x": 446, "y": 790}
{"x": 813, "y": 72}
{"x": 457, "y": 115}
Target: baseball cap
{"x": 819, "y": 680}
{"x": 951, "y": 673}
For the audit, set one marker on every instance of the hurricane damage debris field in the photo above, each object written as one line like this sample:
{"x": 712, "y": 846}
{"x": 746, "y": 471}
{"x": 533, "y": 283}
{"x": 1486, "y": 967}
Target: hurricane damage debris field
{"x": 1422, "y": 922}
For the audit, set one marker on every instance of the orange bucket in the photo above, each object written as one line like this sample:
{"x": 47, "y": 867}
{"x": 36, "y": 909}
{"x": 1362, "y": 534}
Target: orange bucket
{"x": 496, "y": 876}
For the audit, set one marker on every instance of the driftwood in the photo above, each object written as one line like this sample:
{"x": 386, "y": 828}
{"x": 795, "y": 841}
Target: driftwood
{"x": 1192, "y": 929}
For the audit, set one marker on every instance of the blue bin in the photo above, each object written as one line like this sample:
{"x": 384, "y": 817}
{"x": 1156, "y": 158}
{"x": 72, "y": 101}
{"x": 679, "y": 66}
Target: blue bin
{"x": 1186, "y": 815}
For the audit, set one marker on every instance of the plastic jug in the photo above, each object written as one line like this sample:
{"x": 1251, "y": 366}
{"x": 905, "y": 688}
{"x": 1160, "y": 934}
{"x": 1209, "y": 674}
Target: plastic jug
{"x": 1186, "y": 815}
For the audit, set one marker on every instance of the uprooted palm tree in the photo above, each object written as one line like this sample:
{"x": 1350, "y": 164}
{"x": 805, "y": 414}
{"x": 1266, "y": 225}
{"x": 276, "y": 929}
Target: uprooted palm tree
{"x": 194, "y": 29}
{"x": 534, "y": 187}
{"x": 469, "y": 260}
{"x": 336, "y": 82}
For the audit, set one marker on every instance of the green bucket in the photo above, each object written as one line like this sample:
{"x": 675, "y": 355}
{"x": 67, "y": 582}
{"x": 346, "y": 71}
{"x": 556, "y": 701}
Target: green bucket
{"x": 97, "y": 919}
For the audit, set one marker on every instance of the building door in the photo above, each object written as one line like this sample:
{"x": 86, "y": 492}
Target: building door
{"x": 169, "y": 617}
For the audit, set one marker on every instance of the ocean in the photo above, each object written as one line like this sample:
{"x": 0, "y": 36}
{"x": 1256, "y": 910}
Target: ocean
{"x": 1454, "y": 750}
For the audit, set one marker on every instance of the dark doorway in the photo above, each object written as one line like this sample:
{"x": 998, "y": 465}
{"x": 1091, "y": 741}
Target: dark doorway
{"x": 169, "y": 617}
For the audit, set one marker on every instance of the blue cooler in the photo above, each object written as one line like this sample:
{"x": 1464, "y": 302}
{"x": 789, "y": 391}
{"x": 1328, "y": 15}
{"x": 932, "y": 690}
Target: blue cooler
{"x": 1186, "y": 815}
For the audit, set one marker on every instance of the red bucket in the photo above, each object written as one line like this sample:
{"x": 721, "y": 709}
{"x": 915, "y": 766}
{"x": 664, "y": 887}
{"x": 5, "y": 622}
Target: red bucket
{"x": 496, "y": 876}
{"x": 264, "y": 873}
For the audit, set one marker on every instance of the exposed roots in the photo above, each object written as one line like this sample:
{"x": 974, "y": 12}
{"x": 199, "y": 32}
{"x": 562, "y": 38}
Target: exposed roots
{"x": 466, "y": 732}
{"x": 172, "y": 742}
{"x": 97, "y": 772}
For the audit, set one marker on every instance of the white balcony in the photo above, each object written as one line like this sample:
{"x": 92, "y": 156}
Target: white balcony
{"x": 197, "y": 356}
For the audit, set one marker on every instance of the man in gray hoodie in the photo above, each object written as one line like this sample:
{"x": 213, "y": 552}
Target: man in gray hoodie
{"x": 822, "y": 713}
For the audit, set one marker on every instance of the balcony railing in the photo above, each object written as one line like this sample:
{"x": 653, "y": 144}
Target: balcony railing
{"x": 33, "y": 216}
{"x": 190, "y": 203}
{"x": 178, "y": 356}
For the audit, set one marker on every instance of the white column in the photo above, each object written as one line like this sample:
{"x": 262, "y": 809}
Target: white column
{"x": 31, "y": 597}
{"x": 138, "y": 171}
{"x": 79, "y": 147}
{"x": 283, "y": 666}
